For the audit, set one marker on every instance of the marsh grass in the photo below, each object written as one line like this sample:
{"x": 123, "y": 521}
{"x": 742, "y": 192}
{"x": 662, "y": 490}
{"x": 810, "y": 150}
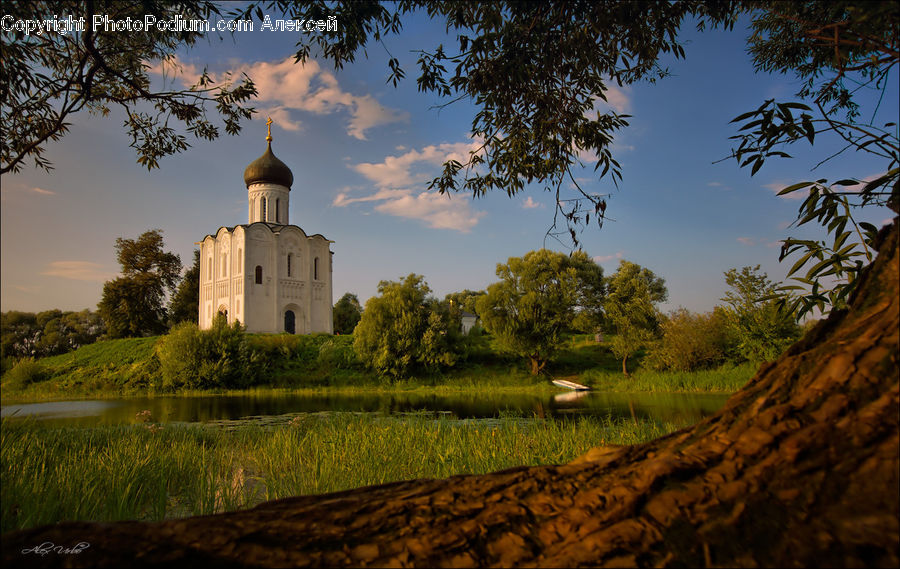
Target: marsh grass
{"x": 148, "y": 472}
{"x": 726, "y": 379}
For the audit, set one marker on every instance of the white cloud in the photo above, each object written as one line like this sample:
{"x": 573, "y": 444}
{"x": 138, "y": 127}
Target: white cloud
{"x": 605, "y": 258}
{"x": 529, "y": 203}
{"x": 398, "y": 171}
{"x": 78, "y": 271}
{"x": 745, "y": 240}
{"x": 284, "y": 86}
{"x": 617, "y": 99}
{"x": 281, "y": 116}
{"x": 42, "y": 191}
{"x": 438, "y": 211}
{"x": 400, "y": 181}
{"x": 384, "y": 194}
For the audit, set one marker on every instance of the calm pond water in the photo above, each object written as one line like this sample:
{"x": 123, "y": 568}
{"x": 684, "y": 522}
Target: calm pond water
{"x": 671, "y": 407}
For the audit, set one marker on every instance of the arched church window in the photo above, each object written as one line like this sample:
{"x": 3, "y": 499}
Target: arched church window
{"x": 209, "y": 271}
{"x": 316, "y": 269}
{"x": 262, "y": 209}
{"x": 224, "y": 264}
{"x": 289, "y": 264}
{"x": 240, "y": 259}
{"x": 258, "y": 274}
{"x": 277, "y": 210}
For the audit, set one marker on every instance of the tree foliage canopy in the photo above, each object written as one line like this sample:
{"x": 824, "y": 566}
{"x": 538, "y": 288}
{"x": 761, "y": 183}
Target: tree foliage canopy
{"x": 47, "y": 333}
{"x": 185, "y": 304}
{"x": 134, "y": 304}
{"x": 404, "y": 330}
{"x": 837, "y": 49}
{"x": 346, "y": 314}
{"x": 47, "y": 78}
{"x": 537, "y": 72}
{"x": 762, "y": 326}
{"x": 535, "y": 301}
{"x": 630, "y": 307}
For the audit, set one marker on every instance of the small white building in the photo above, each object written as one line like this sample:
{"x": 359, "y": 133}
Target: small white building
{"x": 267, "y": 274}
{"x": 468, "y": 320}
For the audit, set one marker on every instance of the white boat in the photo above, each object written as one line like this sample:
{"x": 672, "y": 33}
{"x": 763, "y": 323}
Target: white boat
{"x": 570, "y": 385}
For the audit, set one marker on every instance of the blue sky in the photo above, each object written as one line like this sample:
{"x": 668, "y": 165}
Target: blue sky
{"x": 362, "y": 153}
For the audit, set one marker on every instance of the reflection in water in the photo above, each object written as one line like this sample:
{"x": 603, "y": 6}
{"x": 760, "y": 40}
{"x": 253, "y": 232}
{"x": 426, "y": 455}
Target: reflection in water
{"x": 669, "y": 407}
{"x": 570, "y": 396}
{"x": 59, "y": 409}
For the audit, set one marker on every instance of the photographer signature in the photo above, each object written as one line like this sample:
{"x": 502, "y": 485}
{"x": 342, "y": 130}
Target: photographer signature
{"x": 50, "y": 547}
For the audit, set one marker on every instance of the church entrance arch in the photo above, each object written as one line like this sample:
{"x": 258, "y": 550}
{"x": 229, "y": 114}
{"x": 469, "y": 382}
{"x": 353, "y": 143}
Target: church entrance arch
{"x": 294, "y": 322}
{"x": 289, "y": 322}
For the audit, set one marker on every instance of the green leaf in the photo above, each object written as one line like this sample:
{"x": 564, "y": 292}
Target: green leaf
{"x": 794, "y": 188}
{"x": 801, "y": 262}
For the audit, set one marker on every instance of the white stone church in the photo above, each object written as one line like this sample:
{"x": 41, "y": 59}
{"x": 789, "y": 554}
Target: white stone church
{"x": 267, "y": 274}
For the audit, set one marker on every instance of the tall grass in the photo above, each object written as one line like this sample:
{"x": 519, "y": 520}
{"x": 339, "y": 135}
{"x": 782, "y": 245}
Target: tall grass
{"x": 724, "y": 379}
{"x": 148, "y": 472}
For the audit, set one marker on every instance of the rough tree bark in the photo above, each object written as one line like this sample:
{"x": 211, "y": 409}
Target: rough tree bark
{"x": 801, "y": 468}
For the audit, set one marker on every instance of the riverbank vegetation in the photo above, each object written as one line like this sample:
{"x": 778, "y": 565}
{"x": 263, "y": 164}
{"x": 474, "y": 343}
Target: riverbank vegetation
{"x": 408, "y": 339}
{"x": 150, "y": 471}
{"x": 227, "y": 360}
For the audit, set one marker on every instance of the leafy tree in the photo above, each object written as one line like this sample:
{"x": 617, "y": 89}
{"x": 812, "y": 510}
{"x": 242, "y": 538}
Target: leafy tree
{"x": 537, "y": 73}
{"x": 18, "y": 333}
{"x": 49, "y": 77}
{"x": 185, "y": 303}
{"x": 762, "y": 326}
{"x": 347, "y": 313}
{"x": 403, "y": 330}
{"x": 632, "y": 293}
{"x": 26, "y": 334}
{"x": 836, "y": 49}
{"x": 134, "y": 304}
{"x": 535, "y": 300}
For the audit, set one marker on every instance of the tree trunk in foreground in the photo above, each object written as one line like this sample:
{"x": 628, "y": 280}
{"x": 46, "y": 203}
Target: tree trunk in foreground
{"x": 799, "y": 469}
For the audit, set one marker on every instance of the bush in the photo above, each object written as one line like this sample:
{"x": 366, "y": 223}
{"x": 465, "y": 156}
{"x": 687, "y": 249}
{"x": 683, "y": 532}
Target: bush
{"x": 338, "y": 353}
{"x": 693, "y": 342}
{"x": 24, "y": 373}
{"x": 203, "y": 359}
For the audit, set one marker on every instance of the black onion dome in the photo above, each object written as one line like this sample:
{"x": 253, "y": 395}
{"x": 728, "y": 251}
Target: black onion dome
{"x": 268, "y": 168}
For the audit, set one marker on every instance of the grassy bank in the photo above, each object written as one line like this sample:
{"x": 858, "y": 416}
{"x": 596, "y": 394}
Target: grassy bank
{"x": 151, "y": 472}
{"x": 726, "y": 379}
{"x": 118, "y": 368}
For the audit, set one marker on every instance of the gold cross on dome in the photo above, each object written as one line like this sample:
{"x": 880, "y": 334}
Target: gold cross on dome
{"x": 269, "y": 127}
